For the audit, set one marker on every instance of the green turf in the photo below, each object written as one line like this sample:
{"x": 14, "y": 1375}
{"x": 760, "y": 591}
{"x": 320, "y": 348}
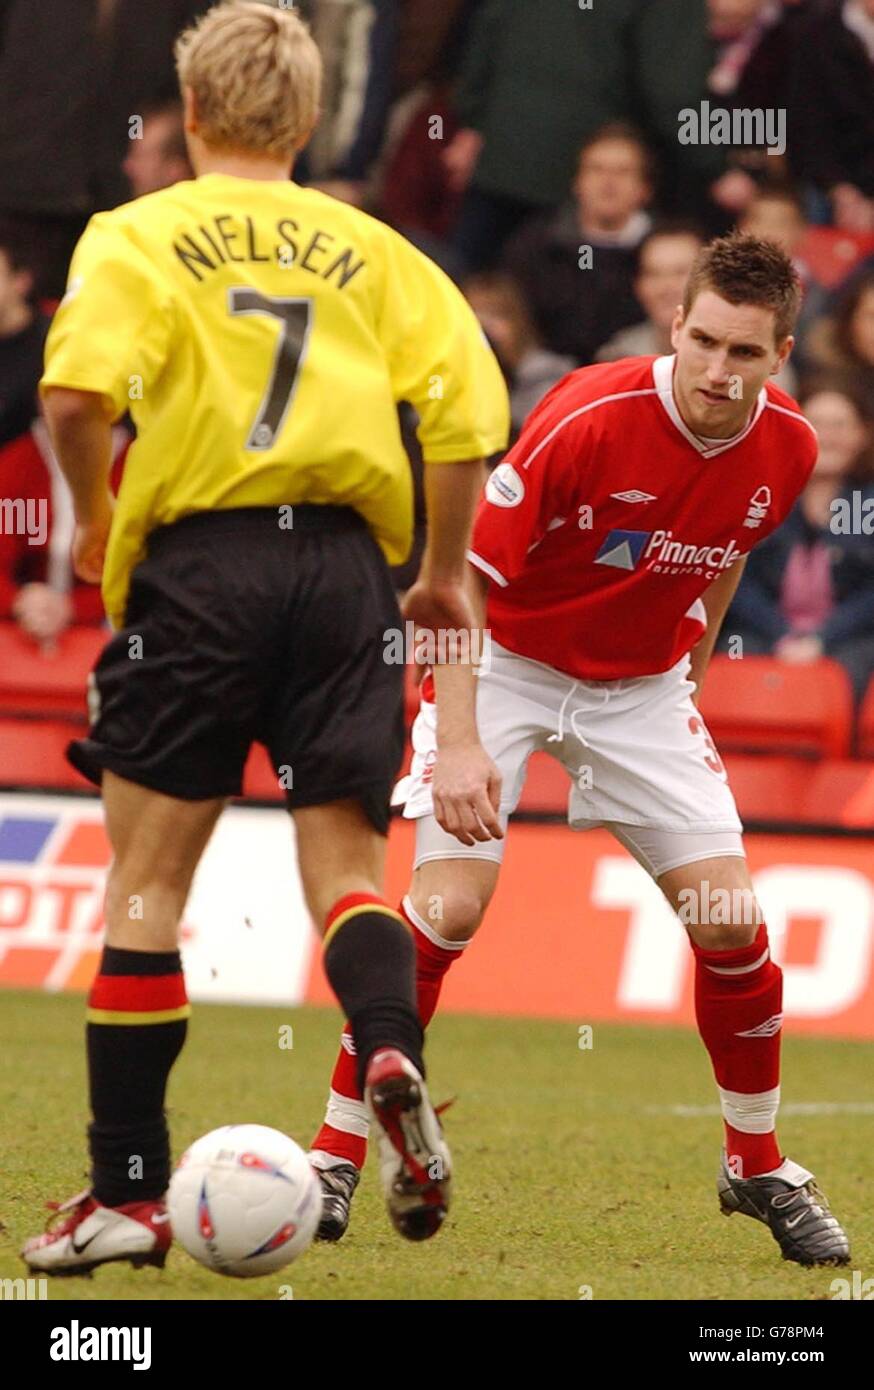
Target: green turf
{"x": 570, "y": 1172}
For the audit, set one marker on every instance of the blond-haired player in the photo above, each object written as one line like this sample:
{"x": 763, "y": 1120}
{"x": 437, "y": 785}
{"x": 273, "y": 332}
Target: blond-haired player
{"x": 261, "y": 335}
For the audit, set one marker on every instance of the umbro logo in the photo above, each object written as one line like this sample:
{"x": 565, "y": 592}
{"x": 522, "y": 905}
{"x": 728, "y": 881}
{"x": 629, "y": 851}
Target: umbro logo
{"x": 768, "y": 1029}
{"x": 633, "y": 495}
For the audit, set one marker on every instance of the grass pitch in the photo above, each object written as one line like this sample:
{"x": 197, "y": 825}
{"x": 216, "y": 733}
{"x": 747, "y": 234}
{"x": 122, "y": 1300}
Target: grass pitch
{"x": 575, "y": 1169}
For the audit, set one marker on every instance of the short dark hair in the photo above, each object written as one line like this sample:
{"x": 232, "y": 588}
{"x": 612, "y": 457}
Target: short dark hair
{"x": 745, "y": 269}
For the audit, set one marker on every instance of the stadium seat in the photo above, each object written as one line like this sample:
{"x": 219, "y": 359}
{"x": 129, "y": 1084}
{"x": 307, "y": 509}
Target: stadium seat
{"x": 39, "y": 681}
{"x": 760, "y": 704}
{"x": 866, "y": 724}
{"x": 768, "y": 788}
{"x": 840, "y": 792}
{"x": 32, "y": 755}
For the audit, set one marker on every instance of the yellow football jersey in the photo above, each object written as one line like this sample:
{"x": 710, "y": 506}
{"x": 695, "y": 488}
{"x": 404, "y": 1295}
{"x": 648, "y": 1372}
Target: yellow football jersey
{"x": 260, "y": 334}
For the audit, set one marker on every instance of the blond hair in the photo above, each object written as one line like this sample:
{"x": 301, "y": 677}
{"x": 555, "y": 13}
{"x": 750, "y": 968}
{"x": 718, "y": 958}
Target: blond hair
{"x": 256, "y": 76}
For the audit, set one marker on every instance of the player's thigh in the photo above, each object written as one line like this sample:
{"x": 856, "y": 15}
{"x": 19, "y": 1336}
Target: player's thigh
{"x": 511, "y": 722}
{"x": 157, "y": 842}
{"x": 715, "y": 900}
{"x": 334, "y": 726}
{"x": 704, "y": 876}
{"x": 339, "y": 851}
{"x": 649, "y": 758}
{"x": 449, "y": 897}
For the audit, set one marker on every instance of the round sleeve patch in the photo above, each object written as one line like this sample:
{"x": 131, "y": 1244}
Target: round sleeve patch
{"x": 504, "y": 487}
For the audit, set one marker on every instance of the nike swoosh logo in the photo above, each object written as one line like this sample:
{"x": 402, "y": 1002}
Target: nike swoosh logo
{"x": 160, "y": 1220}
{"x": 84, "y": 1246}
{"x": 794, "y": 1222}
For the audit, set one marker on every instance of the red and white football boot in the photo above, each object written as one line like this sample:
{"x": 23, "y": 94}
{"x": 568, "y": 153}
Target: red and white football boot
{"x": 414, "y": 1161}
{"x": 82, "y": 1234}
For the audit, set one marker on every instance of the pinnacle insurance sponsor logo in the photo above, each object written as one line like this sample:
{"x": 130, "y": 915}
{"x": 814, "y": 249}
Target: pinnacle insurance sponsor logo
{"x": 662, "y": 553}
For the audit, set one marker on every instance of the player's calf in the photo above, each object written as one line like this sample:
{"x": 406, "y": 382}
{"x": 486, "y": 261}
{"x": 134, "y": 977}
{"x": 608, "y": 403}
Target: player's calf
{"x": 339, "y": 1149}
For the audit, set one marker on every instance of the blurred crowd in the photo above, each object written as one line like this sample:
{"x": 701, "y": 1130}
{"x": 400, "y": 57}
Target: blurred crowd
{"x": 540, "y": 151}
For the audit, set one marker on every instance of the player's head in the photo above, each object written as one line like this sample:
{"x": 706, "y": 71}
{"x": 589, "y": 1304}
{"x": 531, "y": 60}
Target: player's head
{"x": 251, "y": 80}
{"x": 732, "y": 331}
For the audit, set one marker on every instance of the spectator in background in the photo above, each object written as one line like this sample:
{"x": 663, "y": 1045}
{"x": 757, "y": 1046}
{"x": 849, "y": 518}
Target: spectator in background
{"x": 159, "y": 157}
{"x": 734, "y": 54}
{"x": 832, "y": 97}
{"x": 22, "y": 338}
{"x": 776, "y": 213}
{"x": 358, "y": 41}
{"x": 530, "y": 369}
{"x": 536, "y": 80}
{"x": 71, "y": 77}
{"x": 577, "y": 266}
{"x": 37, "y": 588}
{"x": 808, "y": 591}
{"x": 665, "y": 258}
{"x": 416, "y": 195}
{"x": 845, "y": 340}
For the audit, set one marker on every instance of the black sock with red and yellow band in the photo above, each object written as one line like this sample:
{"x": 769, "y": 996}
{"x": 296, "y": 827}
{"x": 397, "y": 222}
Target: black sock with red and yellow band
{"x": 136, "y": 1024}
{"x": 370, "y": 962}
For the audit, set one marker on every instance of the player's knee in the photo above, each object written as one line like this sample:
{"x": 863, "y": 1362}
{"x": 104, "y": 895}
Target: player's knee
{"x": 455, "y": 910}
{"x": 731, "y": 928}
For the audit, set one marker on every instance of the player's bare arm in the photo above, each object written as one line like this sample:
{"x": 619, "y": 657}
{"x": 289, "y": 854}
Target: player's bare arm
{"x": 80, "y": 425}
{"x": 438, "y": 599}
{"x": 467, "y": 783}
{"x": 717, "y": 600}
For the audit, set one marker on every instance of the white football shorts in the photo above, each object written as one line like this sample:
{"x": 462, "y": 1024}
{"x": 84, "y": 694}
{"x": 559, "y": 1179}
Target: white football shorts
{"x": 640, "y": 761}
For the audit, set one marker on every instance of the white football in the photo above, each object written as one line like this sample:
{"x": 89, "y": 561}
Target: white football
{"x": 244, "y": 1200}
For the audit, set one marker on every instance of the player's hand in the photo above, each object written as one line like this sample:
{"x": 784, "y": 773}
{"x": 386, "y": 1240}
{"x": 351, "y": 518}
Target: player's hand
{"x": 467, "y": 793}
{"x": 437, "y": 607}
{"x": 89, "y": 547}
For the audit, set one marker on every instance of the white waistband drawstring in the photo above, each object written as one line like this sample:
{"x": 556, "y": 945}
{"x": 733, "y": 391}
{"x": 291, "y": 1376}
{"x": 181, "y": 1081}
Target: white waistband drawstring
{"x": 557, "y": 737}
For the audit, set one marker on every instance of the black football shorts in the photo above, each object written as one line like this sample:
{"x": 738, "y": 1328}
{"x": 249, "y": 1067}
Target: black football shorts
{"x": 236, "y": 631}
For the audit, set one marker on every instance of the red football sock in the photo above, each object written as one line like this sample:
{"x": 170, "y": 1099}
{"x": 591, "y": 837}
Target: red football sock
{"x": 344, "y": 1132}
{"x": 738, "y": 1002}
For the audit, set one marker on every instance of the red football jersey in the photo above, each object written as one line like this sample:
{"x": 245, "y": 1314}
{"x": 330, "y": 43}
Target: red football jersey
{"x": 609, "y": 518}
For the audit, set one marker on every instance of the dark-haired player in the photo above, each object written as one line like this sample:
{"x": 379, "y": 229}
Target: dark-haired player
{"x": 262, "y": 334}
{"x": 605, "y": 552}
